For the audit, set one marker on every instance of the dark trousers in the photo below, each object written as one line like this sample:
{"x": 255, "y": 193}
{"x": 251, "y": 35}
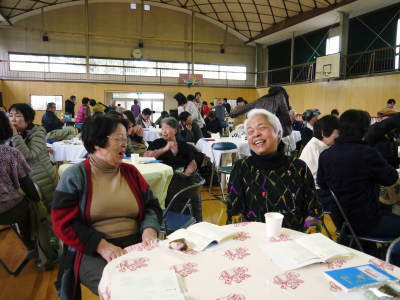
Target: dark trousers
{"x": 91, "y": 267}
{"x": 389, "y": 227}
{"x": 19, "y": 214}
{"x": 177, "y": 184}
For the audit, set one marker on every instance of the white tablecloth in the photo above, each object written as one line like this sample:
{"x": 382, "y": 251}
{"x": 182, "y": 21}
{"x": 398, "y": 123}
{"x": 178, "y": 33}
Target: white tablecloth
{"x": 151, "y": 134}
{"x": 63, "y": 151}
{"x": 236, "y": 270}
{"x": 291, "y": 140}
{"x": 157, "y": 175}
{"x": 204, "y": 146}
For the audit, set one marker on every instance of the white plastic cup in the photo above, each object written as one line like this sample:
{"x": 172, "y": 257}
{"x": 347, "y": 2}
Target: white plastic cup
{"x": 273, "y": 224}
{"x": 135, "y": 158}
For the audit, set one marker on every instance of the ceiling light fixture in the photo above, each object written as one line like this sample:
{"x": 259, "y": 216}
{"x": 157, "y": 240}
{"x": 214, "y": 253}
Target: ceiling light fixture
{"x": 146, "y": 6}
{"x": 133, "y": 5}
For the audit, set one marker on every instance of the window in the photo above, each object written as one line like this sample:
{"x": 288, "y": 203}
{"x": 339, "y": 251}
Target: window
{"x": 39, "y": 102}
{"x": 333, "y": 45}
{"x": 108, "y": 66}
{"x": 154, "y": 101}
{"x": 397, "y": 66}
{"x": 172, "y": 69}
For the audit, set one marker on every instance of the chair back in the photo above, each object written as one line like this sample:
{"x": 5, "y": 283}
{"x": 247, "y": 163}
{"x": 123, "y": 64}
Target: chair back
{"x": 346, "y": 223}
{"x": 172, "y": 220}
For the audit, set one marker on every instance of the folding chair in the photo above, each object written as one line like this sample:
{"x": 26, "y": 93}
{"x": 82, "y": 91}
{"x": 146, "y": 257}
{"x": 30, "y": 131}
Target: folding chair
{"x": 221, "y": 148}
{"x": 347, "y": 230}
{"x": 172, "y": 220}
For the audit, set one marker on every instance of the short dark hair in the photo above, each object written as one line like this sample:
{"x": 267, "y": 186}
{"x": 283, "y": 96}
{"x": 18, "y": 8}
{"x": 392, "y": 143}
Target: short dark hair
{"x": 190, "y": 97}
{"x": 164, "y": 114}
{"x": 26, "y": 110}
{"x": 180, "y": 98}
{"x": 95, "y": 131}
{"x": 147, "y": 112}
{"x": 354, "y": 123}
{"x": 50, "y": 105}
{"x": 183, "y": 116}
{"x": 197, "y": 93}
{"x": 72, "y": 97}
{"x": 334, "y": 112}
{"x": 130, "y": 116}
{"x": 205, "y": 103}
{"x": 135, "y": 101}
{"x": 391, "y": 101}
{"x": 225, "y": 100}
{"x": 92, "y": 102}
{"x": 325, "y": 126}
{"x": 211, "y": 115}
{"x": 5, "y": 128}
{"x": 85, "y": 100}
{"x": 239, "y": 99}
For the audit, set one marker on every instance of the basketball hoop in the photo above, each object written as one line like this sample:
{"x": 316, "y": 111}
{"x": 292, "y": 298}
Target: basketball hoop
{"x": 191, "y": 79}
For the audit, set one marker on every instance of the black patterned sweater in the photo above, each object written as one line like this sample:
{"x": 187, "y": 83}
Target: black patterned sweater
{"x": 272, "y": 183}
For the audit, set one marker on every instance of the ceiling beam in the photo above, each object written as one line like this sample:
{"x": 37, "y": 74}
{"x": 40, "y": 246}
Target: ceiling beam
{"x": 299, "y": 19}
{"x": 3, "y": 18}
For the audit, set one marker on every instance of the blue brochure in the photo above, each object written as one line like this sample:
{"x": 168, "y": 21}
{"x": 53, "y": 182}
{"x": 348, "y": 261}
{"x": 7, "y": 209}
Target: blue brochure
{"x": 359, "y": 276}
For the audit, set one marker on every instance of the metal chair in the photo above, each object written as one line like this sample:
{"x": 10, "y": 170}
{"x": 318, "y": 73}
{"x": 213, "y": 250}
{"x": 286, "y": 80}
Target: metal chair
{"x": 172, "y": 220}
{"x": 222, "y": 148}
{"x": 347, "y": 230}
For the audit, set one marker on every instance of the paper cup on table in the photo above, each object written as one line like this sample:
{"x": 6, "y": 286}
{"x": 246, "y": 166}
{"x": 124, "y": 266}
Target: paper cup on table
{"x": 135, "y": 158}
{"x": 273, "y": 224}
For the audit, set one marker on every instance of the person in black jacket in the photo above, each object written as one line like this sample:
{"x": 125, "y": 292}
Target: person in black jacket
{"x": 49, "y": 120}
{"x": 354, "y": 171}
{"x": 310, "y": 116}
{"x": 70, "y": 106}
{"x": 189, "y": 131}
{"x": 212, "y": 124}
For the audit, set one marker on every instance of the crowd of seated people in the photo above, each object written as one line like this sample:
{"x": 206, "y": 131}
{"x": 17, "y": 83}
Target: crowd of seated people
{"x": 343, "y": 153}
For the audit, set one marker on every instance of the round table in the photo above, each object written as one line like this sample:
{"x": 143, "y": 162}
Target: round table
{"x": 157, "y": 175}
{"x": 204, "y": 146}
{"x": 68, "y": 150}
{"x": 237, "y": 269}
{"x": 151, "y": 134}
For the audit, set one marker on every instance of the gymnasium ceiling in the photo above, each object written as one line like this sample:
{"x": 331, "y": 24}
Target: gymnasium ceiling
{"x": 250, "y": 20}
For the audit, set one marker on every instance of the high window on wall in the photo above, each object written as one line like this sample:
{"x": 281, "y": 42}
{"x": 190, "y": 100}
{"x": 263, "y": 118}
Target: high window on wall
{"x": 397, "y": 66}
{"x": 123, "y": 67}
{"x": 39, "y": 102}
{"x": 154, "y": 101}
{"x": 332, "y": 45}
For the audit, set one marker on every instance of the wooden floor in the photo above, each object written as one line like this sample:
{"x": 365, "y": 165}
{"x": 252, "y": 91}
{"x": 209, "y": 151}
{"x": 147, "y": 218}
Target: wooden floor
{"x": 32, "y": 284}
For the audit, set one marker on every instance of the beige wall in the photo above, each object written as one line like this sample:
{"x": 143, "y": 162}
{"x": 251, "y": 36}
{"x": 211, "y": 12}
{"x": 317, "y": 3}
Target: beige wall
{"x": 367, "y": 93}
{"x": 19, "y": 91}
{"x": 118, "y": 20}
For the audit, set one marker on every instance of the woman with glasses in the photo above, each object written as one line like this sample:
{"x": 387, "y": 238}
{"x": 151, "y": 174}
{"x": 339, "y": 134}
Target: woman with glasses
{"x": 101, "y": 206}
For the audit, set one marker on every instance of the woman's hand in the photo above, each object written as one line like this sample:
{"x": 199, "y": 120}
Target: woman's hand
{"x": 138, "y": 130}
{"x": 149, "y": 236}
{"x": 109, "y": 251}
{"x": 15, "y": 131}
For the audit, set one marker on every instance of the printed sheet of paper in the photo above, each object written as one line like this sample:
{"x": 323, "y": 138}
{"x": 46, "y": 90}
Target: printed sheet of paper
{"x": 146, "y": 286}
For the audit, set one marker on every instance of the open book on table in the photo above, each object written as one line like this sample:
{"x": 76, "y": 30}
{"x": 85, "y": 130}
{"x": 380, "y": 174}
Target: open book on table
{"x": 201, "y": 235}
{"x": 307, "y": 250}
{"x": 163, "y": 284}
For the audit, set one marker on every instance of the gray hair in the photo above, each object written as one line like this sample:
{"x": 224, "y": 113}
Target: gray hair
{"x": 270, "y": 117}
{"x": 171, "y": 122}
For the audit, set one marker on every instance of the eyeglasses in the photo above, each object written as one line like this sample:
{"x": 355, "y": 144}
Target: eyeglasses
{"x": 120, "y": 140}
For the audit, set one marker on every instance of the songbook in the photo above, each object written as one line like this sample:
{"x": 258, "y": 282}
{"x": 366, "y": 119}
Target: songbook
{"x": 304, "y": 251}
{"x": 359, "y": 276}
{"x": 202, "y": 235}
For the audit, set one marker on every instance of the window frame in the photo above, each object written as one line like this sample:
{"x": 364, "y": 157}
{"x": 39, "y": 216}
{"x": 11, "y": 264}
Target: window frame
{"x": 42, "y": 95}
